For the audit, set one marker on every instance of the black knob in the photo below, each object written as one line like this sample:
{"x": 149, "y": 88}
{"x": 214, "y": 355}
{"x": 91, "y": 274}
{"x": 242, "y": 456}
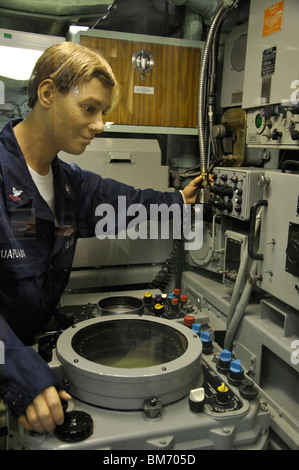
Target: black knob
{"x": 228, "y": 206}
{"x": 248, "y": 389}
{"x": 45, "y": 351}
{"x": 66, "y": 320}
{"x": 276, "y": 134}
{"x": 216, "y": 189}
{"x": 268, "y": 111}
{"x": 46, "y": 344}
{"x": 295, "y": 135}
{"x": 77, "y": 426}
{"x": 228, "y": 191}
{"x": 219, "y": 204}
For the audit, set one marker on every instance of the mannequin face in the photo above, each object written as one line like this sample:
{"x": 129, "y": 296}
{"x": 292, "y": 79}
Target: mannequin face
{"x": 75, "y": 118}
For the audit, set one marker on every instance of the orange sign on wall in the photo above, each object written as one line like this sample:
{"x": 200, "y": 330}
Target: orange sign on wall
{"x": 273, "y": 19}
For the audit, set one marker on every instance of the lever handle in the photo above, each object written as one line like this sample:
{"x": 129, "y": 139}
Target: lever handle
{"x": 255, "y": 206}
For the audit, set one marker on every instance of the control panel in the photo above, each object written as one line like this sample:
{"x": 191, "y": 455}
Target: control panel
{"x": 225, "y": 410}
{"x": 273, "y": 126}
{"x": 234, "y": 190}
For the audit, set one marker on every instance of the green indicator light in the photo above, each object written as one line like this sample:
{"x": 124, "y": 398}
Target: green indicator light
{"x": 7, "y": 36}
{"x": 258, "y": 121}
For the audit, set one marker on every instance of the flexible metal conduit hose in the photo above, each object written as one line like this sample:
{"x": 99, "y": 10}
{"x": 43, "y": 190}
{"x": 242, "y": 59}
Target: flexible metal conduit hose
{"x": 201, "y": 88}
{"x": 239, "y": 303}
{"x": 239, "y": 284}
{"x": 240, "y": 310}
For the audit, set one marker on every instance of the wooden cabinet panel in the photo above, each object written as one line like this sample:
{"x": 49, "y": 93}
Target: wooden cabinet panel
{"x": 173, "y": 82}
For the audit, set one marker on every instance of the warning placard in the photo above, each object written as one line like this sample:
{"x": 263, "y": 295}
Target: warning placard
{"x": 273, "y": 19}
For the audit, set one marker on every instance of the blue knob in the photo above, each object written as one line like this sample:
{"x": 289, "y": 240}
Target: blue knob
{"x": 236, "y": 372}
{"x": 207, "y": 342}
{"x": 235, "y": 366}
{"x": 225, "y": 355}
{"x": 205, "y": 336}
{"x": 224, "y": 361}
{"x": 196, "y": 328}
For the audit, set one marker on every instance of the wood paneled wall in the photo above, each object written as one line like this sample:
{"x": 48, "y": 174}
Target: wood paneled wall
{"x": 174, "y": 79}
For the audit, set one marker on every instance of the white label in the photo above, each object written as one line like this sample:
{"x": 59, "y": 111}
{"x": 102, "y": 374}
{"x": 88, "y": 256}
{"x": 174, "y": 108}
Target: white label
{"x": 144, "y": 90}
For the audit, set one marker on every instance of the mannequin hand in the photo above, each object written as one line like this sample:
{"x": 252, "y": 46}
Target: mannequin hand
{"x": 190, "y": 191}
{"x": 45, "y": 411}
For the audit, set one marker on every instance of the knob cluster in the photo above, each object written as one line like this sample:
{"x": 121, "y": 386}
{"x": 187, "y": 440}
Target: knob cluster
{"x": 227, "y": 193}
{"x": 220, "y": 394}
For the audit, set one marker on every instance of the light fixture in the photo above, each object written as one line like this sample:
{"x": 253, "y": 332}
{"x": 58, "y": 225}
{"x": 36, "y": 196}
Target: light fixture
{"x": 17, "y": 62}
{"x": 19, "y": 51}
{"x": 73, "y": 29}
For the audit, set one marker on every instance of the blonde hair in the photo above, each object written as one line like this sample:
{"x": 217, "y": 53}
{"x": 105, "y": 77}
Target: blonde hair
{"x": 67, "y": 64}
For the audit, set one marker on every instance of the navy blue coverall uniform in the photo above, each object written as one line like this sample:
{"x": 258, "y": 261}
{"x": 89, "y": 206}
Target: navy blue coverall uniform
{"x": 36, "y": 254}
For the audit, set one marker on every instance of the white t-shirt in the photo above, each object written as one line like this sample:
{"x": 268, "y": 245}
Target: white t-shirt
{"x": 45, "y": 186}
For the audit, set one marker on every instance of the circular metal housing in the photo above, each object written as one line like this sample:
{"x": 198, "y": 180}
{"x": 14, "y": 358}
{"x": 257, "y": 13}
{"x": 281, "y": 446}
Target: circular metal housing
{"x": 119, "y": 361}
{"x": 120, "y": 304}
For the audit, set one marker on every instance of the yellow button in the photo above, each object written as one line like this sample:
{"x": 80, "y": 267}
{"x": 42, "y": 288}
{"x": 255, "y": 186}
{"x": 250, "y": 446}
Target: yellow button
{"x": 223, "y": 388}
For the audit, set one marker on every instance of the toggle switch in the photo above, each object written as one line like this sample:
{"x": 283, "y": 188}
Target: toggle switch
{"x": 224, "y": 360}
{"x": 197, "y": 399}
{"x": 222, "y": 397}
{"x": 207, "y": 343}
{"x": 236, "y": 372}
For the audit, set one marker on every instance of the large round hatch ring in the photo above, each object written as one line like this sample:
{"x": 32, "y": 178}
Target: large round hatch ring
{"x": 119, "y": 361}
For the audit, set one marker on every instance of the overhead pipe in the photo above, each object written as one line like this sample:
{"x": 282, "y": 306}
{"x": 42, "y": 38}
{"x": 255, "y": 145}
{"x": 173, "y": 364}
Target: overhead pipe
{"x": 205, "y": 8}
{"x": 193, "y": 25}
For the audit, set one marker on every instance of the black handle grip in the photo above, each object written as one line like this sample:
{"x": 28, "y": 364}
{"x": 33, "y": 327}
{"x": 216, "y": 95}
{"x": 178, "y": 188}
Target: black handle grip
{"x": 289, "y": 163}
{"x": 254, "y": 208}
